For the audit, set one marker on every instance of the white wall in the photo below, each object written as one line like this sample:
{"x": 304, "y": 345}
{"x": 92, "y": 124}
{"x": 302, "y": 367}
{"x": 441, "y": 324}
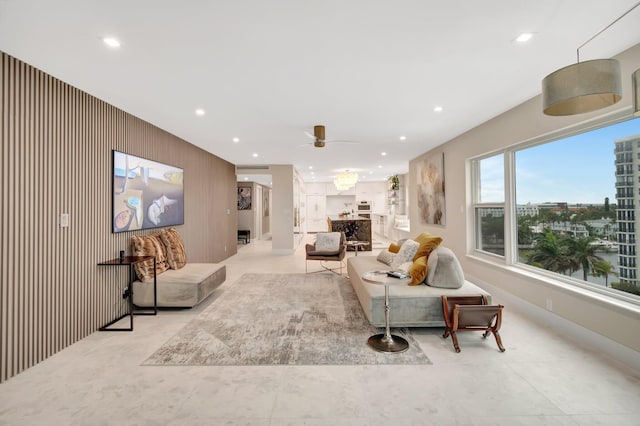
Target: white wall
{"x": 524, "y": 122}
{"x": 282, "y": 209}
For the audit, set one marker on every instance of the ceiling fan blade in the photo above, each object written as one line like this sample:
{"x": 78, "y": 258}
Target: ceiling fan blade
{"x": 309, "y": 135}
{"x": 342, "y": 141}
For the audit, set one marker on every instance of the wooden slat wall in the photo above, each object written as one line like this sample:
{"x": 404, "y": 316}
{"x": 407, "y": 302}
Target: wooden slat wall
{"x": 56, "y": 158}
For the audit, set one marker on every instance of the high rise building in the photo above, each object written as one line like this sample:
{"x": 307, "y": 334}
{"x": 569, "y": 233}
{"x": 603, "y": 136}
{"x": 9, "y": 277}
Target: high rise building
{"x": 627, "y": 151}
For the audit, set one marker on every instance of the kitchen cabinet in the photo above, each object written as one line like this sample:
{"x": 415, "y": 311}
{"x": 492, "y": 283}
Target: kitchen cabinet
{"x": 316, "y": 213}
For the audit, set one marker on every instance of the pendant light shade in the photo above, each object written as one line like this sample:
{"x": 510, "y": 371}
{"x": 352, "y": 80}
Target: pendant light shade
{"x": 635, "y": 80}
{"x": 345, "y": 181}
{"x": 582, "y": 87}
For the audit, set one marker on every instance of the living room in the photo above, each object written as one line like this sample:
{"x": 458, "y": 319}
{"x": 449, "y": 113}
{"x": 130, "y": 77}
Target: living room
{"x": 56, "y": 158}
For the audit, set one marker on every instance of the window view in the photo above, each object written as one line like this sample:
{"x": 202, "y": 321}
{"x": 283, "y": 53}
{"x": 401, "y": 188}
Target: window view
{"x": 576, "y": 200}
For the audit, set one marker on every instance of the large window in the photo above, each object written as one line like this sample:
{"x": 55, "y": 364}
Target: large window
{"x": 489, "y": 204}
{"x": 572, "y": 210}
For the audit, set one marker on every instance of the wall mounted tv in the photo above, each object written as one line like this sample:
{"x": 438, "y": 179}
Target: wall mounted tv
{"x": 146, "y": 194}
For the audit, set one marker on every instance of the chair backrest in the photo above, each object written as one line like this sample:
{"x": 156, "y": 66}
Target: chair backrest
{"x": 476, "y": 316}
{"x": 448, "y": 302}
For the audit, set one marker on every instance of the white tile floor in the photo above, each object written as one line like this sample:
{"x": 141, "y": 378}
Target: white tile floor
{"x": 540, "y": 380}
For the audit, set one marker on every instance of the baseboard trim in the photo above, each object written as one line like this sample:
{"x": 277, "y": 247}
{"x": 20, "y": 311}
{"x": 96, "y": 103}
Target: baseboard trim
{"x": 576, "y": 333}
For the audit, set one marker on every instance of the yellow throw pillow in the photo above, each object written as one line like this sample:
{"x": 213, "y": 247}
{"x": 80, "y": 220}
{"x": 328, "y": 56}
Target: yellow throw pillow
{"x": 418, "y": 270}
{"x": 427, "y": 243}
{"x": 394, "y": 248}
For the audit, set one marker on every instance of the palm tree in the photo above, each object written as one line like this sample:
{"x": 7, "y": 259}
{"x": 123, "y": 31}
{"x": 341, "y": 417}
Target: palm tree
{"x": 550, "y": 254}
{"x": 583, "y": 254}
{"x": 603, "y": 268}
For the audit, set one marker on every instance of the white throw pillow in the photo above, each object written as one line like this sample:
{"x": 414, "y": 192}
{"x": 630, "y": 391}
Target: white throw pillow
{"x": 328, "y": 241}
{"x": 408, "y": 249}
{"x": 386, "y": 257}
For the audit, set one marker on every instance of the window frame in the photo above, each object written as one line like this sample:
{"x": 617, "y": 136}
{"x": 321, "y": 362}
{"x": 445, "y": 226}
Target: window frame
{"x": 510, "y": 259}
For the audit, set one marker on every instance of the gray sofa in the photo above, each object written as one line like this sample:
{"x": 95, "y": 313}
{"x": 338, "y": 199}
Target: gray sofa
{"x": 410, "y": 306}
{"x": 185, "y": 287}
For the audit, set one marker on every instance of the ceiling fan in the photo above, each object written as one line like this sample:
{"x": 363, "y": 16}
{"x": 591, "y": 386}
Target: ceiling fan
{"x": 319, "y": 140}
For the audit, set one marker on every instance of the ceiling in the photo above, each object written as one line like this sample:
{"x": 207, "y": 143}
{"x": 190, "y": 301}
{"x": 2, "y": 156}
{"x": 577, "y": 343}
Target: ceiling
{"x": 267, "y": 71}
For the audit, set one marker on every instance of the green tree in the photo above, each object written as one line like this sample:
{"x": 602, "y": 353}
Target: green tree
{"x": 583, "y": 254}
{"x": 525, "y": 235}
{"x": 550, "y": 254}
{"x": 603, "y": 268}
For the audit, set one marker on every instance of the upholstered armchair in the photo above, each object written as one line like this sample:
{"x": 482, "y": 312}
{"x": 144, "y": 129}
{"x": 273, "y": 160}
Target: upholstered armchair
{"x": 471, "y": 313}
{"x": 328, "y": 247}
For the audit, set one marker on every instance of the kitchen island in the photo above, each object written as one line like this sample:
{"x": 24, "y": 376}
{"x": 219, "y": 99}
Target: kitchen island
{"x": 354, "y": 227}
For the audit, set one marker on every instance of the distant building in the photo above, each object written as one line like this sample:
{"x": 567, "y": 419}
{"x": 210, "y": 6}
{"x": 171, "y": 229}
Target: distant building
{"x": 628, "y": 200}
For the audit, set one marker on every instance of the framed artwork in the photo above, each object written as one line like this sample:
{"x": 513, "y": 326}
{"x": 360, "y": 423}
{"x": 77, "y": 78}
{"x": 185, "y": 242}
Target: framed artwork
{"x": 430, "y": 186}
{"x": 244, "y": 198}
{"x": 145, "y": 193}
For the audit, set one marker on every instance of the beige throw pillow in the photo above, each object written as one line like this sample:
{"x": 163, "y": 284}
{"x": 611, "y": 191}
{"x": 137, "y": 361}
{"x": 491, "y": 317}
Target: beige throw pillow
{"x": 176, "y": 254}
{"x": 149, "y": 245}
{"x": 386, "y": 257}
{"x": 406, "y": 253}
{"x": 328, "y": 242}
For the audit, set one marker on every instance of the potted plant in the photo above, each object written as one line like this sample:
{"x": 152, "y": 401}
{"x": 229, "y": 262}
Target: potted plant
{"x": 394, "y": 182}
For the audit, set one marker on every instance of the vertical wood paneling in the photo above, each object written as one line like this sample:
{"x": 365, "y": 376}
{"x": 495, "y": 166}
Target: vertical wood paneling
{"x": 56, "y": 158}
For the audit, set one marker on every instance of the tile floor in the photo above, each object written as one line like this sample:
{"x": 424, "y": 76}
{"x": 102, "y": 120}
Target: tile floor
{"x": 540, "y": 380}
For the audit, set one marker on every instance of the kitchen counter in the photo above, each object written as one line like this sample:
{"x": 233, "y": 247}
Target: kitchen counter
{"x": 355, "y": 228}
{"x": 351, "y": 217}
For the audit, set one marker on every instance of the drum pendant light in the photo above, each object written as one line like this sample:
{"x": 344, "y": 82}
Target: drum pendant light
{"x": 584, "y": 86}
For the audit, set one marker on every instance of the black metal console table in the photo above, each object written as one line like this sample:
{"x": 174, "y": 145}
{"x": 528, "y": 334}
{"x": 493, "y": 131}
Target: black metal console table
{"x": 130, "y": 261}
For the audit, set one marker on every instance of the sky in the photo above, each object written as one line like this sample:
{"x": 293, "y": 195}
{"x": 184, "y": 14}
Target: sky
{"x": 577, "y": 169}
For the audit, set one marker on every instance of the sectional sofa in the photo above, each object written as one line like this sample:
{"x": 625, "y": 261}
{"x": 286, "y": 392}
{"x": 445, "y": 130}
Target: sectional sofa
{"x": 418, "y": 305}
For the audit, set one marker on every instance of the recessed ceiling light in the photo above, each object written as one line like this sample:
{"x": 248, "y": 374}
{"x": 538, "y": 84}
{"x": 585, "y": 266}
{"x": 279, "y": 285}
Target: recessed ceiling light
{"x": 111, "y": 42}
{"x": 379, "y": 167}
{"x": 437, "y": 109}
{"x": 200, "y": 112}
{"x": 383, "y": 153}
{"x": 246, "y": 178}
{"x": 255, "y": 154}
{"x": 236, "y": 140}
{"x": 310, "y": 167}
{"x": 524, "y": 37}
{"x": 403, "y": 138}
{"x": 370, "y": 172}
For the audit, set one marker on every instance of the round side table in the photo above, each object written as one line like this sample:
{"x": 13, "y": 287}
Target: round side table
{"x": 356, "y": 244}
{"x": 386, "y": 342}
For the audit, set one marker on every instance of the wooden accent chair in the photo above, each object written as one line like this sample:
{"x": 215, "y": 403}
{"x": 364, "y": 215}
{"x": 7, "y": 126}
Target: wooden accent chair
{"x": 326, "y": 256}
{"x": 471, "y": 313}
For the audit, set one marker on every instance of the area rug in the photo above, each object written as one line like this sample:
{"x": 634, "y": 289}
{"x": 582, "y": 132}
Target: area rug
{"x": 283, "y": 319}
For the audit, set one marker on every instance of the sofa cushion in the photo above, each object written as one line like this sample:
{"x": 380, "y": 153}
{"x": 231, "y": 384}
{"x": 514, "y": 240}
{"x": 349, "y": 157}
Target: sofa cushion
{"x": 328, "y": 242}
{"x": 418, "y": 270}
{"x": 149, "y": 245}
{"x": 406, "y": 253}
{"x": 394, "y": 248}
{"x": 184, "y": 287}
{"x": 443, "y": 269}
{"x": 386, "y": 257}
{"x": 176, "y": 254}
{"x": 428, "y": 243}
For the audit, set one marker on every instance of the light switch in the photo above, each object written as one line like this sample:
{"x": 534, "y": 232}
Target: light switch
{"x": 64, "y": 220}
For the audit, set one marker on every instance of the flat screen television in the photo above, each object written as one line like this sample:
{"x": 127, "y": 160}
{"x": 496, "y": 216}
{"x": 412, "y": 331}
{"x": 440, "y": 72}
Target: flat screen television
{"x": 146, "y": 194}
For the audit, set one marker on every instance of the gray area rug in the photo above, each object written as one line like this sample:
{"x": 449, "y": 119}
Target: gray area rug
{"x": 282, "y": 319}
